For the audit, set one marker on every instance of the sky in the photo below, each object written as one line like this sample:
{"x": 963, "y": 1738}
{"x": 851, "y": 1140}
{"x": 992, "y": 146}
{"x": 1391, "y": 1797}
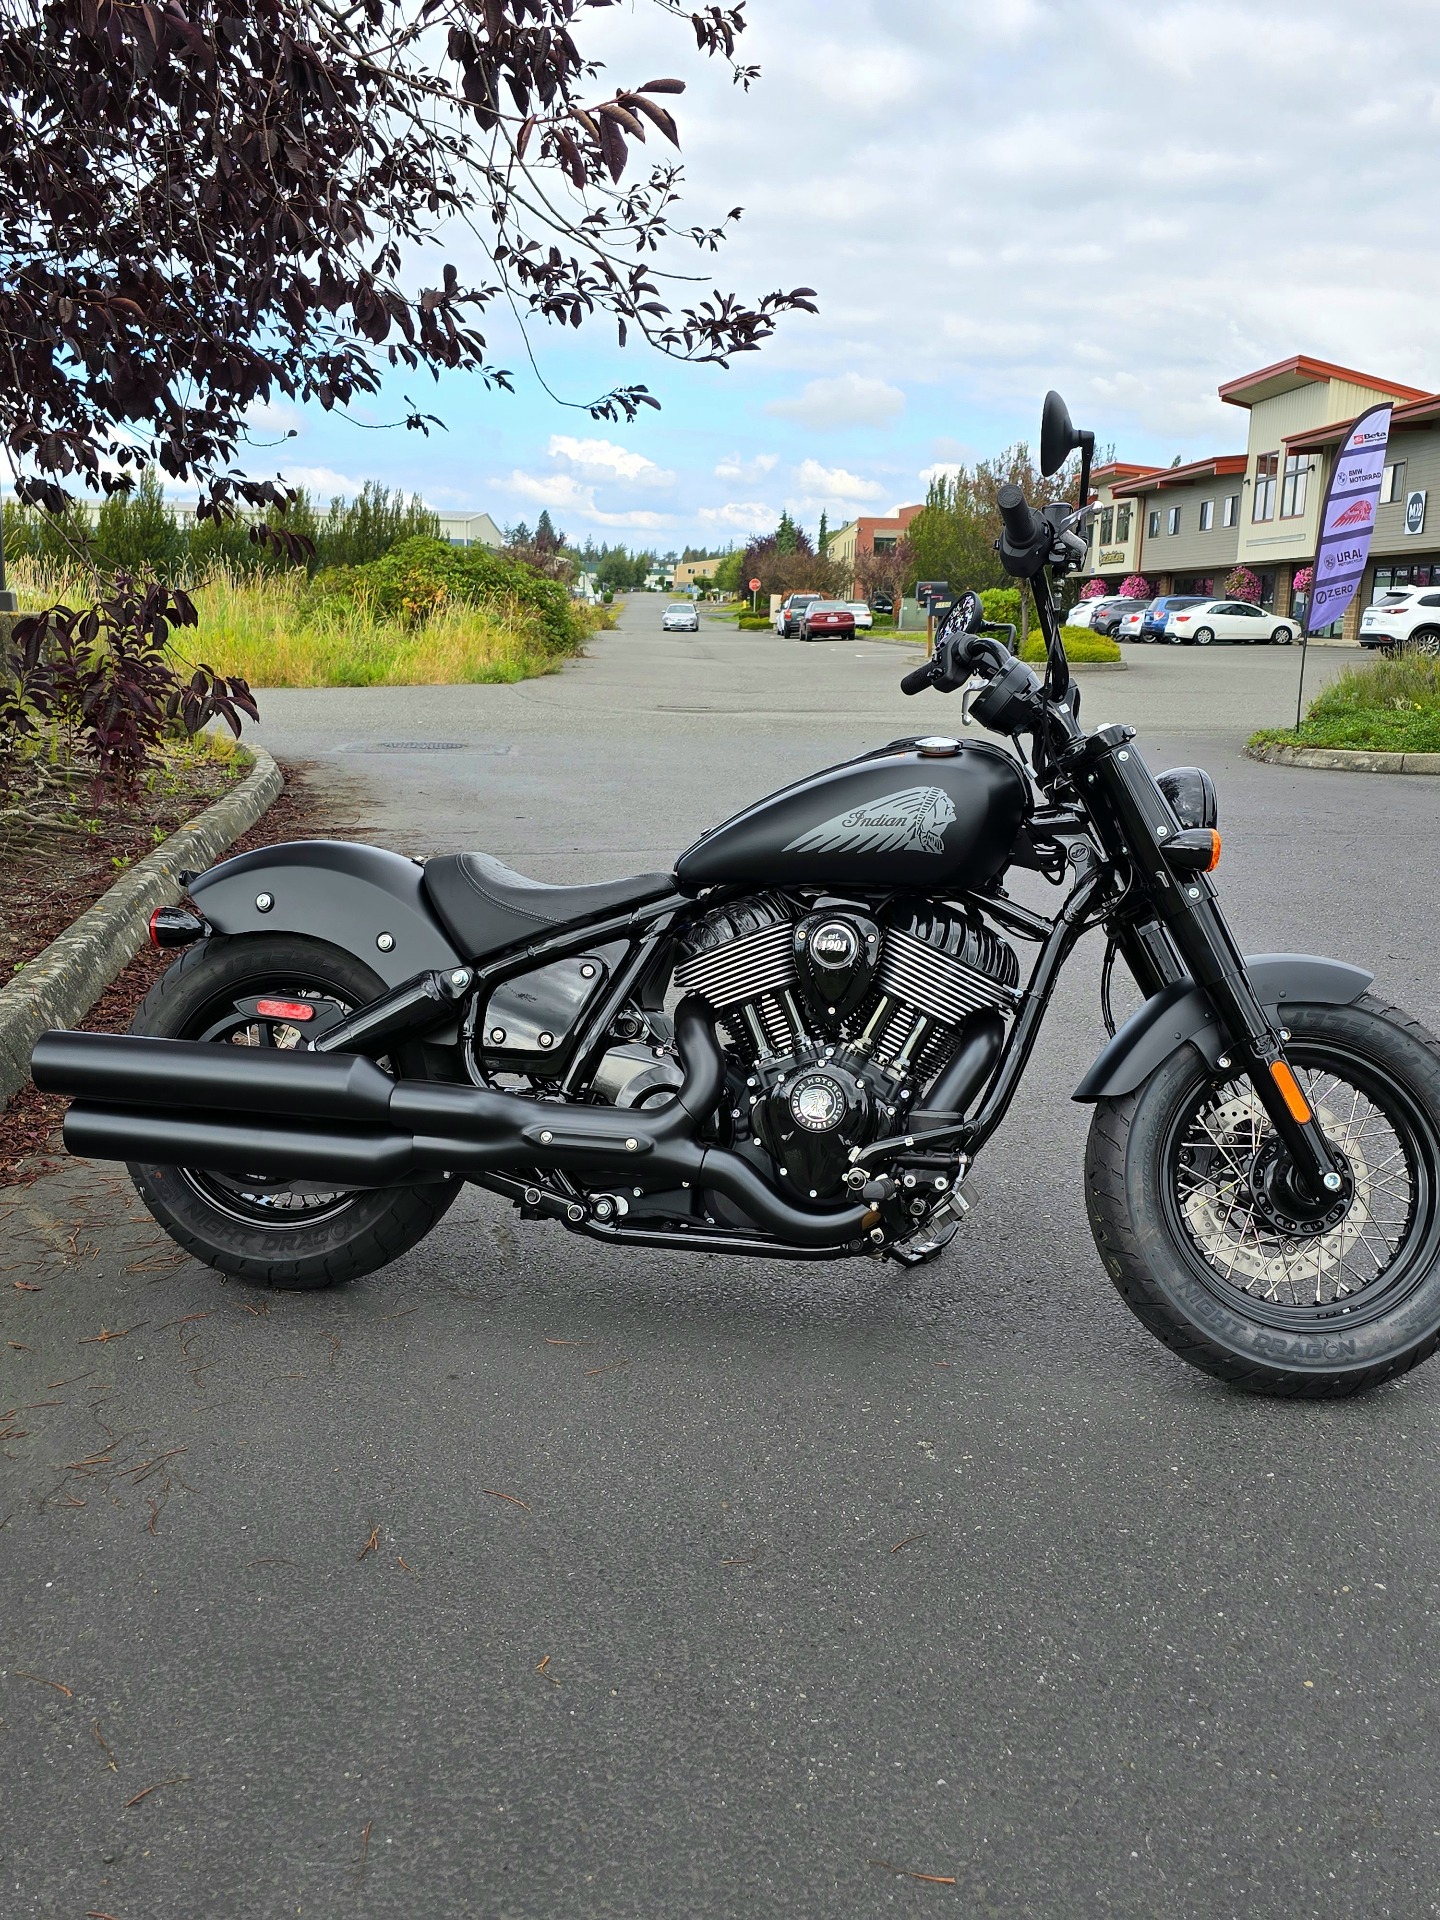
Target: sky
{"x": 1128, "y": 202}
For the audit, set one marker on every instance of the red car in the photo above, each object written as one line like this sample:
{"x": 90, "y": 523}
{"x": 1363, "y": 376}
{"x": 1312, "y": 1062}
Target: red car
{"x": 827, "y": 620}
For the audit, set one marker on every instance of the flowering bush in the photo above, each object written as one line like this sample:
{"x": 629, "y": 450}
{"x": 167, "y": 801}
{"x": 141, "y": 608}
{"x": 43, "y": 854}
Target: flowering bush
{"x": 1136, "y": 587}
{"x": 1242, "y": 584}
{"x": 1093, "y": 590}
{"x": 1304, "y": 579}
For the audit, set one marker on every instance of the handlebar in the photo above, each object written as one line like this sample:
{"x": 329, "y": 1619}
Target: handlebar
{"x": 1019, "y": 520}
{"x": 919, "y": 679}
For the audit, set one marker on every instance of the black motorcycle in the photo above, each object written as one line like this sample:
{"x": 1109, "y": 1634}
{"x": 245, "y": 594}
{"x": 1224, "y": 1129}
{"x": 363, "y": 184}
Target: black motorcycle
{"x": 795, "y": 1044}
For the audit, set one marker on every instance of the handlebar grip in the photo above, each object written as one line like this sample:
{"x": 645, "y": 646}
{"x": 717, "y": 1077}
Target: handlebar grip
{"x": 919, "y": 679}
{"x": 1019, "y": 520}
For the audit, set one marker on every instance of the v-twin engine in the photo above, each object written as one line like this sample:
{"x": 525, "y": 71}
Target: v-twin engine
{"x": 841, "y": 1021}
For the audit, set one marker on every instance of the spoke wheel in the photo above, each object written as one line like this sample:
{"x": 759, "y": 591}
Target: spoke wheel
{"x": 1218, "y": 1161}
{"x": 1195, "y": 1218}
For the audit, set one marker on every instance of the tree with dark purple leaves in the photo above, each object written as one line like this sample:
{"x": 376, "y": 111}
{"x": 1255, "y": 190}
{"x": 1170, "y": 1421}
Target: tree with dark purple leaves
{"x": 212, "y": 205}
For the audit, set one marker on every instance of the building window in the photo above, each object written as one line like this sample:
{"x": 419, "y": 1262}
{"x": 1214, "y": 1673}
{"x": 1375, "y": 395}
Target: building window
{"x": 1392, "y": 482}
{"x": 1207, "y": 515}
{"x": 1172, "y": 520}
{"x": 884, "y": 543}
{"x": 1232, "y": 510}
{"x": 1122, "y": 521}
{"x": 1152, "y": 524}
{"x": 1107, "y": 525}
{"x": 1267, "y": 468}
{"x": 1292, "y": 487}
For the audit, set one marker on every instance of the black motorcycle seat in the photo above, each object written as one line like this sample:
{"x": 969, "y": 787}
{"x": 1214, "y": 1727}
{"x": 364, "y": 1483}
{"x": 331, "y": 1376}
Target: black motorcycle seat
{"x": 485, "y": 905}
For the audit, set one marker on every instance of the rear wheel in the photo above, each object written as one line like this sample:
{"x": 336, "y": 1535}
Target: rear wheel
{"x": 263, "y": 1227}
{"x": 1193, "y": 1225}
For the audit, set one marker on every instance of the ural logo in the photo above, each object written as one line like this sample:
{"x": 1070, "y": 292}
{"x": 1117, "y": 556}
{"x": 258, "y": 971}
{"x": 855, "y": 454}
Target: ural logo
{"x": 910, "y": 822}
{"x": 1360, "y": 514}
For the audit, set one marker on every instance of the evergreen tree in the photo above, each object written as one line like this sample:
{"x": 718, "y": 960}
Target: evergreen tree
{"x": 822, "y": 538}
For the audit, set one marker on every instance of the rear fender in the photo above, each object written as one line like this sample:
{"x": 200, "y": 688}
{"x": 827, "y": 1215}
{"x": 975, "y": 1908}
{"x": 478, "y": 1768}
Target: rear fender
{"x": 355, "y": 897}
{"x": 1181, "y": 1015}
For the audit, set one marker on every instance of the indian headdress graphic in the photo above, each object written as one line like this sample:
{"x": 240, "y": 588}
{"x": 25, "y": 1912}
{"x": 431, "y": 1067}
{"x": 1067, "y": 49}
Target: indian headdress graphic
{"x": 1359, "y": 514}
{"x": 910, "y": 822}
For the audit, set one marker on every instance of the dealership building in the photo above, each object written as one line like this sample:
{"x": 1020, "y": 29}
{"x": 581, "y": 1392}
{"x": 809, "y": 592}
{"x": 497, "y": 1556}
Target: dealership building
{"x": 1184, "y": 528}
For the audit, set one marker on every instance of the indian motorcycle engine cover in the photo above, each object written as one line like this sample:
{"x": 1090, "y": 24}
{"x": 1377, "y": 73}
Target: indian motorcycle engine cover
{"x": 809, "y": 1120}
{"x": 836, "y": 954}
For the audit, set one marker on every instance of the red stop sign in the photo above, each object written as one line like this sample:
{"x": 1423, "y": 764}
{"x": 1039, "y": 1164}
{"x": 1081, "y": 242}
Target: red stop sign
{"x": 754, "y": 586}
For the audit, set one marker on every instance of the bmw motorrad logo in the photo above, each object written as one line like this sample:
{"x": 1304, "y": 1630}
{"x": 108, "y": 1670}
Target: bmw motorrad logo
{"x": 835, "y": 944}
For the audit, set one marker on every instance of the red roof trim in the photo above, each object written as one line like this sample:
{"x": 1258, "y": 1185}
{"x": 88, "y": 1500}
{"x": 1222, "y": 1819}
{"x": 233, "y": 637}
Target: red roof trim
{"x": 1231, "y": 390}
{"x": 1218, "y": 467}
{"x": 1418, "y": 414}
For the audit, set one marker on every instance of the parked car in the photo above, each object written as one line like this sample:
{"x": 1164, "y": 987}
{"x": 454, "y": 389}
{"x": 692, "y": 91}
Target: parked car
{"x": 681, "y": 618}
{"x": 1106, "y": 615}
{"x": 882, "y": 603}
{"x": 1152, "y": 626}
{"x": 1127, "y": 622}
{"x": 1238, "y": 620}
{"x": 1081, "y": 613}
{"x": 787, "y": 618}
{"x": 864, "y": 618}
{"x": 1404, "y": 620}
{"x": 827, "y": 620}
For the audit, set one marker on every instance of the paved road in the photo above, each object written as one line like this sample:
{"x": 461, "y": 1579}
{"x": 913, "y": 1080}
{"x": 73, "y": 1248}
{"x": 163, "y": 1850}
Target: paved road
{"x": 822, "y": 1578}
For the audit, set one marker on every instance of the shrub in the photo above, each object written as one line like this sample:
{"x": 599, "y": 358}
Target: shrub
{"x": 1383, "y": 706}
{"x": 419, "y": 576}
{"x": 1082, "y": 647}
{"x": 1002, "y": 604}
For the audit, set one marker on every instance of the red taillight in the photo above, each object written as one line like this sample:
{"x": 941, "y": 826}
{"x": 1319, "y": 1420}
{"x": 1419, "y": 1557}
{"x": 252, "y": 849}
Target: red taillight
{"x": 1181, "y": 618}
{"x": 285, "y": 1009}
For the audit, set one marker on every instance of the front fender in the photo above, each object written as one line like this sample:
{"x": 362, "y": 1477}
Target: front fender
{"x": 335, "y": 890}
{"x": 1182, "y": 1015}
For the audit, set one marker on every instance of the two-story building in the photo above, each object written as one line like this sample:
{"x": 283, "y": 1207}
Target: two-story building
{"x": 869, "y": 534}
{"x": 1193, "y": 523}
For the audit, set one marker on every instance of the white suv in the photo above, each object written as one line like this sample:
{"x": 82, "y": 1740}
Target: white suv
{"x": 1403, "y": 620}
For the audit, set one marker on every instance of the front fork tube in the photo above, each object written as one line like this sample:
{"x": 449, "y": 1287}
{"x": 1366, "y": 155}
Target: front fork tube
{"x": 1186, "y": 905}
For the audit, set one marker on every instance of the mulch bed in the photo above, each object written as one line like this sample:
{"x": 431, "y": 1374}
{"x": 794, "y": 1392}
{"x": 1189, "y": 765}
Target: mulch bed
{"x": 50, "y": 888}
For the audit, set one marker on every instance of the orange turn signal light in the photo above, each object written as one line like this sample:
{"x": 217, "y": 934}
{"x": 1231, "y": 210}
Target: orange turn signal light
{"x": 1195, "y": 850}
{"x": 1295, "y": 1101}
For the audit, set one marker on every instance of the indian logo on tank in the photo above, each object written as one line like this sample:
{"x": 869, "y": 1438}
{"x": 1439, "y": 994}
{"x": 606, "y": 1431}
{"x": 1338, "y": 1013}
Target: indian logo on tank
{"x": 910, "y": 822}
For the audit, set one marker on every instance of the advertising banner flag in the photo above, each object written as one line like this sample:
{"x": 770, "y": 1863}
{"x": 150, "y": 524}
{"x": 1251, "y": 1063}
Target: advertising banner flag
{"x": 1347, "y": 519}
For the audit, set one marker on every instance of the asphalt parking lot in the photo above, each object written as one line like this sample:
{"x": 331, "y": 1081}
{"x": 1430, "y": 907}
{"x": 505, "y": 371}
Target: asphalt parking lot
{"x": 529, "y": 1578}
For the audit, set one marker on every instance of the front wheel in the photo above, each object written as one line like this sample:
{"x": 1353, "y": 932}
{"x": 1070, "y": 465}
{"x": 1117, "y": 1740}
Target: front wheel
{"x": 263, "y": 1227}
{"x": 1281, "y": 637}
{"x": 1182, "y": 1189}
{"x": 1203, "y": 636}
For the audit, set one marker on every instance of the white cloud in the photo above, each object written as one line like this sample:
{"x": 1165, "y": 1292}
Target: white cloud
{"x": 733, "y": 467}
{"x": 745, "y": 516}
{"x": 942, "y": 469}
{"x": 609, "y": 461}
{"x": 828, "y": 484}
{"x": 848, "y": 400}
{"x": 563, "y": 493}
{"x": 321, "y": 483}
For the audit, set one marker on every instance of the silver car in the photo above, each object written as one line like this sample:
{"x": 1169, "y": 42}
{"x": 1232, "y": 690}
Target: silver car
{"x": 681, "y": 618}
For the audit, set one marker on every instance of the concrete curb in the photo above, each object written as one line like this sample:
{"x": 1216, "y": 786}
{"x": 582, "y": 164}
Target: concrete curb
{"x": 60, "y": 985}
{"x": 1346, "y": 759}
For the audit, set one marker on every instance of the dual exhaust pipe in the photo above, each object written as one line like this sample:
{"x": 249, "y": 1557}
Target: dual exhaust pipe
{"x": 337, "y": 1117}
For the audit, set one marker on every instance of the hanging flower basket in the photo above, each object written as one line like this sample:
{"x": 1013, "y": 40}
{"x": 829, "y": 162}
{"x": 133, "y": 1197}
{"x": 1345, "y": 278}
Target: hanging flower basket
{"x": 1304, "y": 579}
{"x": 1242, "y": 584}
{"x": 1093, "y": 590}
{"x": 1136, "y": 587}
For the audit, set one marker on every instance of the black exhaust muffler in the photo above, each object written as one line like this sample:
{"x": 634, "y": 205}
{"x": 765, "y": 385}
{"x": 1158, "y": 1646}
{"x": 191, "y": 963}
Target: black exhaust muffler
{"x": 271, "y": 1111}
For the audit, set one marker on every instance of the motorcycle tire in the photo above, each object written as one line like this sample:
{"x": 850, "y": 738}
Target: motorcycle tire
{"x": 1185, "y": 1220}
{"x": 287, "y": 1238}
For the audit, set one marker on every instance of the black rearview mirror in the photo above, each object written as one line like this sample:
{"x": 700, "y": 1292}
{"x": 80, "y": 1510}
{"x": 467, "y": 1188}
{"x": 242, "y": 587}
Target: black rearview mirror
{"x": 1058, "y": 438}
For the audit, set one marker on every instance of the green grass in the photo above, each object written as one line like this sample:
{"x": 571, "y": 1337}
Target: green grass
{"x": 269, "y": 629}
{"x": 1082, "y": 647}
{"x": 1378, "y": 706}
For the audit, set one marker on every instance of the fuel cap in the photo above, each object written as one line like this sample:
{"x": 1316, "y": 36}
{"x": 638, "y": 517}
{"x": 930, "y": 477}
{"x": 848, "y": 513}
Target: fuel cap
{"x": 937, "y": 747}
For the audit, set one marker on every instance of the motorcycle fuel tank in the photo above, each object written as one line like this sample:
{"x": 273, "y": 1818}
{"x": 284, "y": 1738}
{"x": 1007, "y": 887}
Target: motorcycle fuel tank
{"x": 931, "y": 816}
